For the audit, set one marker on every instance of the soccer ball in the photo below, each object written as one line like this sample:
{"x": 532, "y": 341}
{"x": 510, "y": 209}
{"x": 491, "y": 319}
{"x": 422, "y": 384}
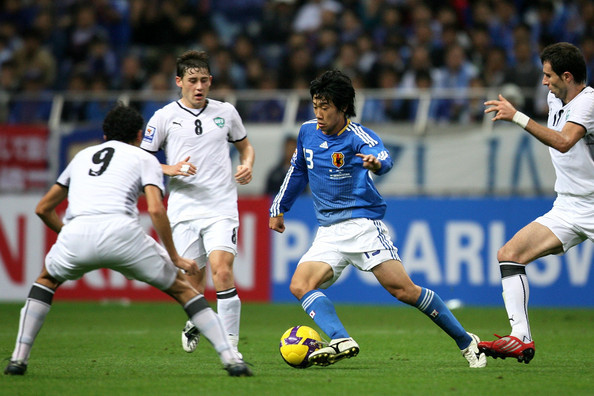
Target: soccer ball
{"x": 297, "y": 343}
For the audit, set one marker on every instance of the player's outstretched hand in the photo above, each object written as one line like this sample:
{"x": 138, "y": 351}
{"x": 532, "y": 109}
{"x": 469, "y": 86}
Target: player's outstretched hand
{"x": 370, "y": 162}
{"x": 277, "y": 223}
{"x": 189, "y": 266}
{"x": 503, "y": 108}
{"x": 243, "y": 174}
{"x": 182, "y": 168}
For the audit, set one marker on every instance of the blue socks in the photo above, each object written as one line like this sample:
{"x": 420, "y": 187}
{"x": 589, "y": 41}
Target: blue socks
{"x": 431, "y": 305}
{"x": 321, "y": 310}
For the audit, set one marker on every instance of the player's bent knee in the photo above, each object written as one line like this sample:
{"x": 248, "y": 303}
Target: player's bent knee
{"x": 407, "y": 295}
{"x": 299, "y": 289}
{"x": 222, "y": 275}
{"x": 507, "y": 254}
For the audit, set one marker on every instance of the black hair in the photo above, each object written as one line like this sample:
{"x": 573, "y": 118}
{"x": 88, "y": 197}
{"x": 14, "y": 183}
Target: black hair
{"x": 565, "y": 57}
{"x": 122, "y": 123}
{"x": 192, "y": 59}
{"x": 337, "y": 88}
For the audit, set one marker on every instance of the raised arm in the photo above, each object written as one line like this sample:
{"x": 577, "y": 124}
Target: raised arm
{"x": 562, "y": 141}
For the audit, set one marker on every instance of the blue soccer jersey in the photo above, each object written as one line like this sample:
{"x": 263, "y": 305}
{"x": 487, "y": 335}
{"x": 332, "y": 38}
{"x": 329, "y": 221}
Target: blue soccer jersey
{"x": 341, "y": 187}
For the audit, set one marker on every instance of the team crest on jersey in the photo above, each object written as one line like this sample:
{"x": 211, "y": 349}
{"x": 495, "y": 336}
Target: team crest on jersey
{"x": 338, "y": 159}
{"x": 220, "y": 122}
{"x": 149, "y": 134}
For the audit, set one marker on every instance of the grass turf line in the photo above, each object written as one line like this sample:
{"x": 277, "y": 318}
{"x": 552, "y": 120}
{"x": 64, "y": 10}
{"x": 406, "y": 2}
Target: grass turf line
{"x": 115, "y": 349}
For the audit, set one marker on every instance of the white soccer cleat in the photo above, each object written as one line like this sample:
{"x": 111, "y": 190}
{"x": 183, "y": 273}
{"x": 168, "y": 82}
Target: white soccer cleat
{"x": 337, "y": 350}
{"x": 476, "y": 359}
{"x": 190, "y": 337}
{"x": 234, "y": 341}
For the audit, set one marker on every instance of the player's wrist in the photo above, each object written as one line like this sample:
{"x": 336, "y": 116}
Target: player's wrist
{"x": 521, "y": 119}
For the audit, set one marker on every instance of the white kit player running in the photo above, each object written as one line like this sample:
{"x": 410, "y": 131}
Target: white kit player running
{"x": 102, "y": 184}
{"x": 195, "y": 133}
{"x": 569, "y": 135}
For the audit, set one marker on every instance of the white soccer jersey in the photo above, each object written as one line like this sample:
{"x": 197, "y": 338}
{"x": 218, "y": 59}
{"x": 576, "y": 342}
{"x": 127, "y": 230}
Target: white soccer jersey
{"x": 204, "y": 136}
{"x": 575, "y": 168}
{"x": 108, "y": 179}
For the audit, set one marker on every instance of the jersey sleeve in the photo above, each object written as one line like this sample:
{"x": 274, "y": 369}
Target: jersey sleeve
{"x": 237, "y": 131}
{"x": 583, "y": 113}
{"x": 151, "y": 172}
{"x": 294, "y": 183}
{"x": 64, "y": 178}
{"x": 368, "y": 142}
{"x": 154, "y": 133}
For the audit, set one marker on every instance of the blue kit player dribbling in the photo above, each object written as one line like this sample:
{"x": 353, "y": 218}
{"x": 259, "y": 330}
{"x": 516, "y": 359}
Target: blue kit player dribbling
{"x": 337, "y": 157}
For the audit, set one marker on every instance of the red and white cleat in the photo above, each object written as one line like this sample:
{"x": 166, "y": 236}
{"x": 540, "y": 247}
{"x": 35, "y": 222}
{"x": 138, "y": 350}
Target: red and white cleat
{"x": 508, "y": 346}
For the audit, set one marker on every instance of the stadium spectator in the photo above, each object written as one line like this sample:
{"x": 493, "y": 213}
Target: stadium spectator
{"x": 348, "y": 59}
{"x": 389, "y": 28}
{"x": 35, "y": 105}
{"x": 298, "y": 64}
{"x": 423, "y": 81}
{"x": 31, "y": 57}
{"x": 350, "y": 26}
{"x": 389, "y": 57}
{"x": 132, "y": 75}
{"x": 9, "y": 82}
{"x": 98, "y": 106}
{"x": 384, "y": 110}
{"x": 327, "y": 40}
{"x": 157, "y": 90}
{"x": 101, "y": 59}
{"x": 265, "y": 109}
{"x": 455, "y": 75}
{"x": 151, "y": 28}
{"x": 152, "y": 22}
{"x": 75, "y": 109}
{"x": 367, "y": 52}
{"x": 495, "y": 67}
{"x": 276, "y": 175}
{"x": 588, "y": 51}
{"x": 524, "y": 73}
{"x": 81, "y": 34}
{"x": 314, "y": 14}
{"x": 232, "y": 17}
{"x": 275, "y": 29}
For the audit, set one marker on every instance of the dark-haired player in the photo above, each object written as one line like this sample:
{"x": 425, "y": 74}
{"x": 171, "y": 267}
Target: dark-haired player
{"x": 338, "y": 157}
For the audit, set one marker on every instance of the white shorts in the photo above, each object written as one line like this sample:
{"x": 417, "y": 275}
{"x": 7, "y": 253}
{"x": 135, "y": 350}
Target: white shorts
{"x": 571, "y": 220}
{"x": 117, "y": 242}
{"x": 196, "y": 239}
{"x": 362, "y": 243}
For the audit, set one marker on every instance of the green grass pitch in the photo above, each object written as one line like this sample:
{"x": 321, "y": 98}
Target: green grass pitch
{"x": 134, "y": 349}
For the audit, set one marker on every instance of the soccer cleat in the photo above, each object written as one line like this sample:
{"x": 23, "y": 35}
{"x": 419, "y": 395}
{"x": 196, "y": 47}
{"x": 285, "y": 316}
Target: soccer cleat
{"x": 476, "y": 358}
{"x": 238, "y": 369}
{"x": 508, "y": 346}
{"x": 15, "y": 367}
{"x": 234, "y": 341}
{"x": 190, "y": 337}
{"x": 337, "y": 349}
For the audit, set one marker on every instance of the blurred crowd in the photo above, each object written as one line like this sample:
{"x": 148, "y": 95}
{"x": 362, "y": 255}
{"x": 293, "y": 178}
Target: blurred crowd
{"x": 131, "y": 45}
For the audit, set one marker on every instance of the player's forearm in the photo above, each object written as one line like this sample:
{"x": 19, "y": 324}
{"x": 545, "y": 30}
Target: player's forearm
{"x": 549, "y": 137}
{"x": 247, "y": 156}
{"x": 168, "y": 170}
{"x": 46, "y": 208}
{"x": 51, "y": 220}
{"x": 161, "y": 225}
